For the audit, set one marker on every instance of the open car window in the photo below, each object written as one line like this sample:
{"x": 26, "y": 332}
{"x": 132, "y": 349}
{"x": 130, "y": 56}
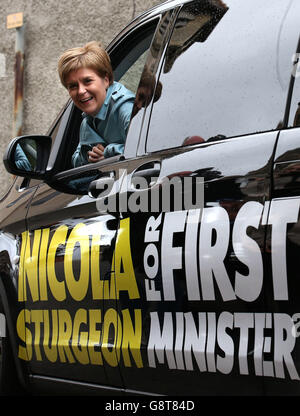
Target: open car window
{"x": 128, "y": 60}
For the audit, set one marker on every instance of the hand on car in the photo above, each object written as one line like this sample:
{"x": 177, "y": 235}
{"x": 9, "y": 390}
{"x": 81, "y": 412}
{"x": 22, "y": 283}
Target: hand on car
{"x": 96, "y": 154}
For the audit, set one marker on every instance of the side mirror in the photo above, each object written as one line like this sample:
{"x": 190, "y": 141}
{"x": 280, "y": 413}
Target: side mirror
{"x": 28, "y": 156}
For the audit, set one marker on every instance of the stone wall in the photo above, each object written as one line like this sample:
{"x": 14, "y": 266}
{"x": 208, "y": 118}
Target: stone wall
{"x": 51, "y": 26}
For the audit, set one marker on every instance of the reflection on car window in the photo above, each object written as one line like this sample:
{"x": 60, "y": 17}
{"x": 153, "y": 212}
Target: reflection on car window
{"x": 220, "y": 75}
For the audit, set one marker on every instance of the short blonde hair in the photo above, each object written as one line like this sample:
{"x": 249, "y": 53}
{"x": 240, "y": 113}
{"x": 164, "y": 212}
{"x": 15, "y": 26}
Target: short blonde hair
{"x": 92, "y": 55}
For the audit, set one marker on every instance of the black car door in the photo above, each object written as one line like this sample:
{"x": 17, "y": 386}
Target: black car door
{"x": 73, "y": 326}
{"x": 283, "y": 235}
{"x": 66, "y": 263}
{"x": 198, "y": 316}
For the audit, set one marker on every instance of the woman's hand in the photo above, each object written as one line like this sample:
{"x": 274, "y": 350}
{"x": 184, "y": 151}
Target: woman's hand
{"x": 96, "y": 154}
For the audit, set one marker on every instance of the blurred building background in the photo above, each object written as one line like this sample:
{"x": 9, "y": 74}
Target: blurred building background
{"x": 51, "y": 26}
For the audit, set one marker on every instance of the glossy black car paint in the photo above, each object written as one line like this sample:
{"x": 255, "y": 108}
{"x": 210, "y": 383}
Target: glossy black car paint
{"x": 254, "y": 172}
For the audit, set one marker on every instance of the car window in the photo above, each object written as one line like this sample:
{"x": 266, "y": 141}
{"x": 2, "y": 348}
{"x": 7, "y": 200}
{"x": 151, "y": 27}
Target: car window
{"x": 131, "y": 78}
{"x": 226, "y": 73}
{"x": 129, "y": 70}
{"x": 127, "y": 60}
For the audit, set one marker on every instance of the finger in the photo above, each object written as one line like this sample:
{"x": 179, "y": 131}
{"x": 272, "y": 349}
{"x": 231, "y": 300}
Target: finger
{"x": 94, "y": 157}
{"x": 100, "y": 146}
{"x": 97, "y": 150}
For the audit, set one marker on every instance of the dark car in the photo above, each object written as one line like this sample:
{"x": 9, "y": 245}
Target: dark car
{"x": 173, "y": 268}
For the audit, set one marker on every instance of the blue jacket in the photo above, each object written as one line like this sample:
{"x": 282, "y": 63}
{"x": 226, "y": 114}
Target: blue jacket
{"x": 109, "y": 127}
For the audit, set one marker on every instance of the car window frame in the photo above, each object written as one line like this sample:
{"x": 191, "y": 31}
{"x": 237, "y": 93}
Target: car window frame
{"x": 66, "y": 120}
{"x": 70, "y": 113}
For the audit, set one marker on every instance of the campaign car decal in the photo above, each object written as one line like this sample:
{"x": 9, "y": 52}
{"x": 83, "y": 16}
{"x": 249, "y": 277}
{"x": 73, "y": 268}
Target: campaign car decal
{"x": 37, "y": 272}
{"x": 180, "y": 333}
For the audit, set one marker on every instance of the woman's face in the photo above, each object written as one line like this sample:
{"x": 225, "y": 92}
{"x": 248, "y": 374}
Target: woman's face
{"x": 87, "y": 90}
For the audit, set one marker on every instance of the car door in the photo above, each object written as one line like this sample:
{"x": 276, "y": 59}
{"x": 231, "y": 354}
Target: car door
{"x": 73, "y": 326}
{"x": 14, "y": 205}
{"x": 62, "y": 283}
{"x": 283, "y": 236}
{"x": 198, "y": 198}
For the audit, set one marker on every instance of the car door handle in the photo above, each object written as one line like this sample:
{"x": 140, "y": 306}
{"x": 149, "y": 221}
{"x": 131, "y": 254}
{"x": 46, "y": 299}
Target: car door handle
{"x": 146, "y": 173}
{"x": 149, "y": 171}
{"x": 97, "y": 187}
